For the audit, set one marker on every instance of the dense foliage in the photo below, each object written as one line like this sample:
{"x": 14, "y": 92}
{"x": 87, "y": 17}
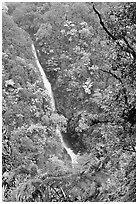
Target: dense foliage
{"x": 87, "y": 51}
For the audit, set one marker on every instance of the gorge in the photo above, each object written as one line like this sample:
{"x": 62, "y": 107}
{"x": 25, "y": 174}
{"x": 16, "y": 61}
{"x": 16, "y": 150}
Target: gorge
{"x": 47, "y": 86}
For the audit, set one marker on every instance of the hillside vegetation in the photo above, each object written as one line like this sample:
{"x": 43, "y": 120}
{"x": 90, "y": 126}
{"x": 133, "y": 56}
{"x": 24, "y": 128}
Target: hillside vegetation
{"x": 87, "y": 51}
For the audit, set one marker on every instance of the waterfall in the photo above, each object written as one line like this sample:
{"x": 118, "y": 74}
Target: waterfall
{"x": 69, "y": 151}
{"x": 47, "y": 86}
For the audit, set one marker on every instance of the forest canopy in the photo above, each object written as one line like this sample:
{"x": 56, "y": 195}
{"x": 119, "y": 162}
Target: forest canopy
{"x": 88, "y": 53}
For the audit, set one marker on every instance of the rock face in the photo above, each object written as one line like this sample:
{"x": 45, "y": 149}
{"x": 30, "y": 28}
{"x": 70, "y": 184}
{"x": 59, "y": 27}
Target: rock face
{"x": 47, "y": 86}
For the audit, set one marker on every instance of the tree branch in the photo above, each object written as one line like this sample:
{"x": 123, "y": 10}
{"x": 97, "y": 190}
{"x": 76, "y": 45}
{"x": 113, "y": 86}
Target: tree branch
{"x": 111, "y": 73}
{"x": 129, "y": 49}
{"x": 103, "y": 25}
{"x": 55, "y": 191}
{"x": 63, "y": 193}
{"x": 129, "y": 46}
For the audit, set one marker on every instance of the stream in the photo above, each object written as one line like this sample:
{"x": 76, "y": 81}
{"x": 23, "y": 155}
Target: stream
{"x": 47, "y": 86}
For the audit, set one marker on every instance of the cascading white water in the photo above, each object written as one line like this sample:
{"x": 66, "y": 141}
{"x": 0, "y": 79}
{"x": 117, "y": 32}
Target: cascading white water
{"x": 69, "y": 151}
{"x": 47, "y": 86}
{"x": 46, "y": 82}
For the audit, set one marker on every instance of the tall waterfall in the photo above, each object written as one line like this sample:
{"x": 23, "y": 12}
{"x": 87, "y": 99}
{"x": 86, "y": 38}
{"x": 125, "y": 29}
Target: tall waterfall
{"x": 47, "y": 86}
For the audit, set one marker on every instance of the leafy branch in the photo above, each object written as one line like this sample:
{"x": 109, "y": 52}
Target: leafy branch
{"x": 103, "y": 25}
{"x": 128, "y": 49}
{"x": 112, "y": 74}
